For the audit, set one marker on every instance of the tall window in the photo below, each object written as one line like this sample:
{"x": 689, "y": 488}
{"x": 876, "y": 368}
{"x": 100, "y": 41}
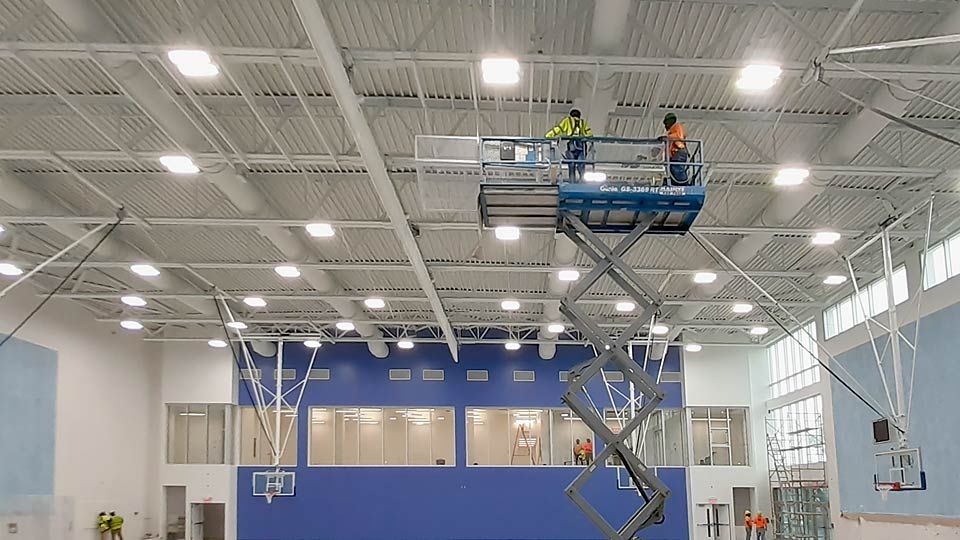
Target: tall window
{"x": 664, "y": 443}
{"x": 943, "y": 261}
{"x": 798, "y": 428}
{"x": 382, "y": 436}
{"x": 196, "y": 433}
{"x": 791, "y": 366}
{"x": 527, "y": 436}
{"x": 256, "y": 447}
{"x": 872, "y": 299}
{"x": 719, "y": 436}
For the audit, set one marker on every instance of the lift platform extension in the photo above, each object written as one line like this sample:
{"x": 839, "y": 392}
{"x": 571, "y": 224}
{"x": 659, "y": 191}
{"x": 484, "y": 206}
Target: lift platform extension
{"x": 523, "y": 183}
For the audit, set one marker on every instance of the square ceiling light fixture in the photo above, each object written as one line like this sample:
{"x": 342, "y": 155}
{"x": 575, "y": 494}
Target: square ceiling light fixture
{"x": 179, "y": 164}
{"x": 791, "y": 176}
{"x": 758, "y": 77}
{"x": 506, "y": 232}
{"x": 320, "y": 230}
{"x": 193, "y": 63}
{"x": 568, "y": 275}
{"x": 704, "y": 278}
{"x": 500, "y": 71}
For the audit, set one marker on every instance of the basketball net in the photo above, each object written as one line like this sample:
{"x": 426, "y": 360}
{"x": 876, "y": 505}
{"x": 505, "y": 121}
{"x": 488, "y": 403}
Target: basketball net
{"x": 886, "y": 488}
{"x": 269, "y": 495}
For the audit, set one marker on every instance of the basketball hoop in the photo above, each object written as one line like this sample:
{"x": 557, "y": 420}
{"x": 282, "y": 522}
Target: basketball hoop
{"x": 886, "y": 487}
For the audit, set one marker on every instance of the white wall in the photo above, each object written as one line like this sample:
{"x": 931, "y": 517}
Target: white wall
{"x": 106, "y": 428}
{"x": 874, "y": 527}
{"x": 724, "y": 376}
{"x": 193, "y": 372}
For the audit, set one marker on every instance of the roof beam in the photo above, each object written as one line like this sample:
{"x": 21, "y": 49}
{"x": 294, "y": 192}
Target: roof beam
{"x": 329, "y": 56}
{"x": 456, "y": 60}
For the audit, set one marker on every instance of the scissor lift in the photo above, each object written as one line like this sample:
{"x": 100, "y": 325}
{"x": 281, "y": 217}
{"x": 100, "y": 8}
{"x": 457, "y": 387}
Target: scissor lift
{"x": 524, "y": 183}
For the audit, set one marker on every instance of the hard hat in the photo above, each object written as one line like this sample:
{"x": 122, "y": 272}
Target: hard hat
{"x": 575, "y": 113}
{"x": 670, "y": 118}
{"x": 747, "y": 513}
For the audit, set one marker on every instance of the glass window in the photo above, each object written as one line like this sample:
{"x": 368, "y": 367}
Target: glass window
{"x": 663, "y": 442}
{"x": 791, "y": 366}
{"x": 719, "y": 436}
{"x": 849, "y": 311}
{"x": 798, "y": 428}
{"x": 382, "y": 436}
{"x": 196, "y": 433}
{"x": 257, "y": 447}
{"x": 527, "y": 437}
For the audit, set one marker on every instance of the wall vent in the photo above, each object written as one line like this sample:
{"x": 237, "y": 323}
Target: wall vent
{"x": 288, "y": 374}
{"x": 668, "y": 376}
{"x": 613, "y": 375}
{"x": 399, "y": 374}
{"x": 478, "y": 375}
{"x": 524, "y": 376}
{"x": 319, "y": 374}
{"x": 433, "y": 374}
{"x": 564, "y": 376}
{"x": 245, "y": 375}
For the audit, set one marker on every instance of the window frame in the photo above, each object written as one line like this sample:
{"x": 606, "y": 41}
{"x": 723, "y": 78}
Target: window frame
{"x": 548, "y": 444}
{"x": 791, "y": 367}
{"x": 727, "y": 421}
{"x": 452, "y": 462}
{"x": 226, "y": 442}
{"x": 846, "y": 313}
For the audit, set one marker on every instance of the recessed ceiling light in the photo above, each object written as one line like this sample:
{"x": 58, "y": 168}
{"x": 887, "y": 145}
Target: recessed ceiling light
{"x": 742, "y": 307}
{"x": 320, "y": 230}
{"x": 405, "y": 344}
{"x": 131, "y": 325}
{"x": 625, "y": 307}
{"x": 512, "y": 345}
{"x": 660, "y": 329}
{"x": 791, "y": 176}
{"x": 8, "y": 269}
{"x": 556, "y": 328}
{"x": 345, "y": 326}
{"x": 254, "y": 301}
{"x": 179, "y": 164}
{"x": 312, "y": 344}
{"x": 375, "y": 303}
{"x": 568, "y": 275}
{"x": 217, "y": 343}
{"x": 2, "y": 229}
{"x": 510, "y": 305}
{"x": 693, "y": 347}
{"x": 287, "y": 271}
{"x": 193, "y": 62}
{"x": 236, "y": 325}
{"x": 704, "y": 277}
{"x": 595, "y": 176}
{"x": 133, "y": 301}
{"x": 836, "y": 279}
{"x": 825, "y": 238}
{"x": 506, "y": 232}
{"x": 145, "y": 270}
{"x": 500, "y": 70}
{"x": 758, "y": 77}
{"x": 759, "y": 330}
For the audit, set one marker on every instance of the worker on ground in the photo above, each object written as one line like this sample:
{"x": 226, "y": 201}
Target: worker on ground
{"x": 748, "y": 523}
{"x": 760, "y": 524}
{"x": 573, "y": 125}
{"x": 103, "y": 525}
{"x": 577, "y": 449}
{"x": 116, "y": 526}
{"x": 676, "y": 149}
{"x": 587, "y": 452}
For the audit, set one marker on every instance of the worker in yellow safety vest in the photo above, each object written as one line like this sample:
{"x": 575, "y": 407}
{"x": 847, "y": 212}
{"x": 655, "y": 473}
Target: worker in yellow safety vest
{"x": 116, "y": 526}
{"x": 573, "y": 125}
{"x": 103, "y": 524}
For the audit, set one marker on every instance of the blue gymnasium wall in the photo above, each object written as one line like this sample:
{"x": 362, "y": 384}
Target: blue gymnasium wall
{"x": 28, "y": 400}
{"x": 934, "y": 426}
{"x": 400, "y": 503}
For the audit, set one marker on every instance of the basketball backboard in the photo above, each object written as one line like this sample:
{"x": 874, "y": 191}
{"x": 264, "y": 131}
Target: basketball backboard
{"x": 899, "y": 470}
{"x": 272, "y": 484}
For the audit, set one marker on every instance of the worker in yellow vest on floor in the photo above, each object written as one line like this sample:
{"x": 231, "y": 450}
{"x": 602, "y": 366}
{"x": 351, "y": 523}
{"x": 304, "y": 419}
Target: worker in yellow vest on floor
{"x": 103, "y": 525}
{"x": 116, "y": 526}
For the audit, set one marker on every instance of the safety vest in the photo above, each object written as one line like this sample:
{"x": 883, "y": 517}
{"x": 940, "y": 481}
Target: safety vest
{"x": 747, "y": 522}
{"x": 571, "y": 127}
{"x": 103, "y": 523}
{"x": 675, "y": 135}
{"x": 116, "y": 522}
{"x": 760, "y": 522}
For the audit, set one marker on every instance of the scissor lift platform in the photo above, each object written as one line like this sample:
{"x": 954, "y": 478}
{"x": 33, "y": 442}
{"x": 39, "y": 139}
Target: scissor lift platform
{"x": 607, "y": 207}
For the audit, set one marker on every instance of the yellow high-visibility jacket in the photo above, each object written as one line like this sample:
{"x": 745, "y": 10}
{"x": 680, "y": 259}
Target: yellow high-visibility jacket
{"x": 116, "y": 523}
{"x": 570, "y": 127}
{"x": 103, "y": 523}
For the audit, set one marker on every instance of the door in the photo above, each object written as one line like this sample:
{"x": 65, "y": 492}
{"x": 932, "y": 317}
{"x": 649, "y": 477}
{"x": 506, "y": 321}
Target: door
{"x": 713, "y": 522}
{"x": 175, "y": 509}
{"x": 196, "y": 521}
{"x": 742, "y": 502}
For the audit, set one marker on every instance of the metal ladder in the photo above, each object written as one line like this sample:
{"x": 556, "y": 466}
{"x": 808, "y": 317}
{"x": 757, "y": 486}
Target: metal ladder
{"x": 609, "y": 263}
